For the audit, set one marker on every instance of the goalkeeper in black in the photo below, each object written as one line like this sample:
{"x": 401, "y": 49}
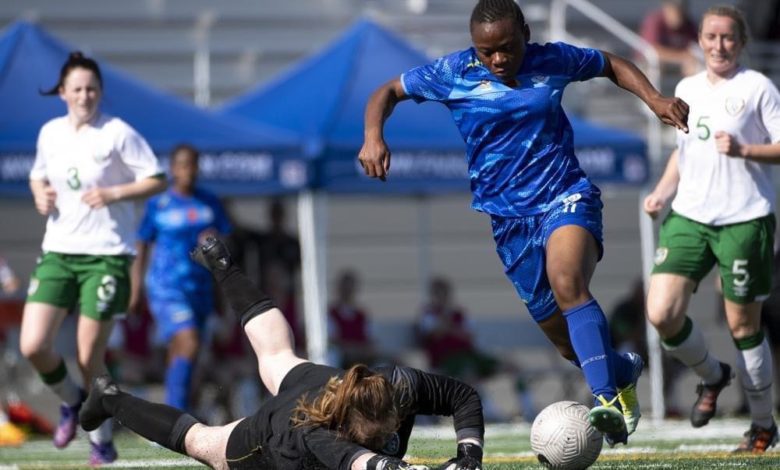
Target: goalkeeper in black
{"x": 319, "y": 417}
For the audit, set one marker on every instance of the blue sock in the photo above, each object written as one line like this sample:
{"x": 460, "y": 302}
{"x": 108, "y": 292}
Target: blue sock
{"x": 590, "y": 338}
{"x": 624, "y": 369}
{"x": 177, "y": 383}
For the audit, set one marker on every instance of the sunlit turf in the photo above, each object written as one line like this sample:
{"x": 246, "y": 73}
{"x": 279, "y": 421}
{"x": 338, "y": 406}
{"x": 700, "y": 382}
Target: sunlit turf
{"x": 670, "y": 445}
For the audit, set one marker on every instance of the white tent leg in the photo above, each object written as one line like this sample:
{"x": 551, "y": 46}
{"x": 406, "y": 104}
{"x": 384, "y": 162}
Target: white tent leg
{"x": 312, "y": 227}
{"x": 647, "y": 236}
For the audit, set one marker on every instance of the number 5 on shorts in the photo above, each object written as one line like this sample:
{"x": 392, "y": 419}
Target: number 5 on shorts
{"x": 740, "y": 269}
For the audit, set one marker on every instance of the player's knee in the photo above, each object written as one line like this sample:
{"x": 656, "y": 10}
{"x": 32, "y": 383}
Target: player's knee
{"x": 569, "y": 289}
{"x": 665, "y": 320}
{"x": 34, "y": 349}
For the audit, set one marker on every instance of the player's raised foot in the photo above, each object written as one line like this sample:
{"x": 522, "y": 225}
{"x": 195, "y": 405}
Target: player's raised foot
{"x": 101, "y": 454}
{"x": 706, "y": 405}
{"x": 11, "y": 435}
{"x": 92, "y": 412}
{"x": 757, "y": 440}
{"x": 607, "y": 417}
{"x": 627, "y": 396}
{"x": 212, "y": 255}
{"x": 66, "y": 428}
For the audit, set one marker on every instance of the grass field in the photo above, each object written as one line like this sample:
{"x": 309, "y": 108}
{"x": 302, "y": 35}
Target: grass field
{"x": 668, "y": 445}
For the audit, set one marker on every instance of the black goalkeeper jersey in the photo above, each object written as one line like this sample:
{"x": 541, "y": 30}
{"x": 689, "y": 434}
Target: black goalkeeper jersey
{"x": 268, "y": 439}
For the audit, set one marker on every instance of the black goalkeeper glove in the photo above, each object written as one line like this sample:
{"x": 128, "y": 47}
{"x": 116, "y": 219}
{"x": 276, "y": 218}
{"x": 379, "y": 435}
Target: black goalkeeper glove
{"x": 384, "y": 462}
{"x": 469, "y": 458}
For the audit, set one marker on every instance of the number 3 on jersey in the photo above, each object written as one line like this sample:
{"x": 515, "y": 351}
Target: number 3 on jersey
{"x": 73, "y": 180}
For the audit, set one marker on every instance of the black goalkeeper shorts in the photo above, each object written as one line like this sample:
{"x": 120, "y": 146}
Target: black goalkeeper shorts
{"x": 249, "y": 443}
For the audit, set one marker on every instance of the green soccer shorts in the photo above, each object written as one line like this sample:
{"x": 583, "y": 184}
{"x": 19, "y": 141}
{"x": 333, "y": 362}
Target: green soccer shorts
{"x": 100, "y": 284}
{"x": 742, "y": 251}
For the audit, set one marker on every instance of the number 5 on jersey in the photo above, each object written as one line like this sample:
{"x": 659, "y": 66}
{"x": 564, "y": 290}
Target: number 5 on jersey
{"x": 702, "y": 128}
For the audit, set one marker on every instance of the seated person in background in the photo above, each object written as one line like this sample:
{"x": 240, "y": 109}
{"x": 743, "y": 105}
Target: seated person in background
{"x": 348, "y": 324}
{"x": 319, "y": 417}
{"x": 445, "y": 333}
{"x": 674, "y": 36}
{"x": 10, "y": 434}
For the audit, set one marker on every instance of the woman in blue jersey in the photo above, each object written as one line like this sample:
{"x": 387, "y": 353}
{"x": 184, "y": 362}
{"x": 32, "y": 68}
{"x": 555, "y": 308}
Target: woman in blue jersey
{"x": 179, "y": 291}
{"x": 505, "y": 97}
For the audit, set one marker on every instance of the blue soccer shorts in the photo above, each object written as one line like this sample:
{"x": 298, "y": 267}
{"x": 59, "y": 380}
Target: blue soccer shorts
{"x": 521, "y": 242}
{"x": 175, "y": 311}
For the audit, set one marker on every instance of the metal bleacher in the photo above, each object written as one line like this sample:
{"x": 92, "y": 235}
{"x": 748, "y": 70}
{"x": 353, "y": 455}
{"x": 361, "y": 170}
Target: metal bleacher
{"x": 250, "y": 41}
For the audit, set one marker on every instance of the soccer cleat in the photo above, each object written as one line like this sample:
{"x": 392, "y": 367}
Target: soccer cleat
{"x": 627, "y": 396}
{"x": 607, "y": 417}
{"x": 11, "y": 435}
{"x": 66, "y": 429}
{"x": 706, "y": 405}
{"x": 92, "y": 412}
{"x": 757, "y": 440}
{"x": 212, "y": 255}
{"x": 101, "y": 454}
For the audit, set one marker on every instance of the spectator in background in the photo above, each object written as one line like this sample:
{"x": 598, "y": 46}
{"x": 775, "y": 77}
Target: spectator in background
{"x": 10, "y": 434}
{"x": 179, "y": 292}
{"x": 9, "y": 283}
{"x": 89, "y": 167}
{"x": 348, "y": 325}
{"x": 272, "y": 258}
{"x": 446, "y": 336}
{"x": 278, "y": 247}
{"x": 763, "y": 18}
{"x": 673, "y": 35}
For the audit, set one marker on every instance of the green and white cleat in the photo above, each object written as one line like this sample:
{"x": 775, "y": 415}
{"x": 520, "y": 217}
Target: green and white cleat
{"x": 627, "y": 396}
{"x": 607, "y": 417}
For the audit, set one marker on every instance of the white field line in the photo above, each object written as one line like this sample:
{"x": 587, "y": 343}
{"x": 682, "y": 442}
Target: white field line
{"x": 704, "y": 448}
{"x": 647, "y": 431}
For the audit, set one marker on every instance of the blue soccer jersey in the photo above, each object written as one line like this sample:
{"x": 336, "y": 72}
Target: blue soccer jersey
{"x": 174, "y": 222}
{"x": 519, "y": 142}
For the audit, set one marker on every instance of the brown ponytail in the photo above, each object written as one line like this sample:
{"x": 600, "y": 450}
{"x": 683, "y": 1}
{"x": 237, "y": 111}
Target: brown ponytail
{"x": 358, "y": 406}
{"x": 75, "y": 60}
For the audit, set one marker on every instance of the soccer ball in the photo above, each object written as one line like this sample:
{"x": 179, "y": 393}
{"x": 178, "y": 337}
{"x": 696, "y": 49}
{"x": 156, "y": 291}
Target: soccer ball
{"x": 563, "y": 439}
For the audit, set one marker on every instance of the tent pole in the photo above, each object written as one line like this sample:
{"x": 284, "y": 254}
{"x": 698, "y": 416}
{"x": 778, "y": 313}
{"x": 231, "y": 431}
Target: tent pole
{"x": 312, "y": 227}
{"x": 654, "y": 354}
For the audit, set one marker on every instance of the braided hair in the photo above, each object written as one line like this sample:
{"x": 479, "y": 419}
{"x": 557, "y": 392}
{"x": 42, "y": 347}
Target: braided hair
{"x": 490, "y": 11}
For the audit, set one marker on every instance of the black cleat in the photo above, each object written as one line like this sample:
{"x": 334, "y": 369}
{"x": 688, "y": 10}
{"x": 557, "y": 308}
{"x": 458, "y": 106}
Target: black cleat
{"x": 706, "y": 404}
{"x": 212, "y": 255}
{"x": 92, "y": 412}
{"x": 757, "y": 440}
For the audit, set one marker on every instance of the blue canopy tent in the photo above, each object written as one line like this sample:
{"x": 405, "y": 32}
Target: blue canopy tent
{"x": 238, "y": 157}
{"x": 324, "y": 97}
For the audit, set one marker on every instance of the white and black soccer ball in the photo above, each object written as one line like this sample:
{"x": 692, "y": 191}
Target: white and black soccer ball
{"x": 563, "y": 439}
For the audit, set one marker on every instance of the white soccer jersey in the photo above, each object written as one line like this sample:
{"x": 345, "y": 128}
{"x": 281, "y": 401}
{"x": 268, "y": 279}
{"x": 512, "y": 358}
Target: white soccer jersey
{"x": 714, "y": 188}
{"x": 103, "y": 153}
